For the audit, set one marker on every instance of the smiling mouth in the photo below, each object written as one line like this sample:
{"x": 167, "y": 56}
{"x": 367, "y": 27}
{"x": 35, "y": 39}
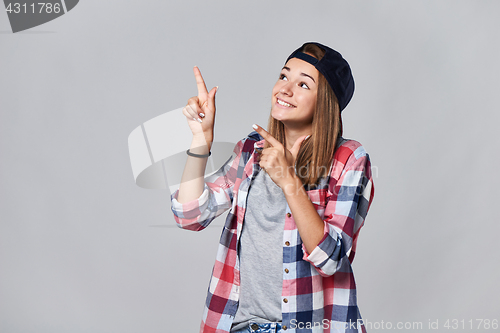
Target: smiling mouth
{"x": 283, "y": 103}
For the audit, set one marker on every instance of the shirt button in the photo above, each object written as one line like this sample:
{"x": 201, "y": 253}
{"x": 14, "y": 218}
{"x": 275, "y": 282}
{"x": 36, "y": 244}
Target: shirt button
{"x": 284, "y": 327}
{"x": 285, "y": 300}
{"x": 287, "y": 243}
{"x": 286, "y": 270}
{"x": 288, "y": 214}
{"x": 255, "y": 327}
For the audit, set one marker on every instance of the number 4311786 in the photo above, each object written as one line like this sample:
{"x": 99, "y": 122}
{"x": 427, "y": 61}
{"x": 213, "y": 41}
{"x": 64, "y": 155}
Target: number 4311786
{"x": 38, "y": 8}
{"x": 471, "y": 324}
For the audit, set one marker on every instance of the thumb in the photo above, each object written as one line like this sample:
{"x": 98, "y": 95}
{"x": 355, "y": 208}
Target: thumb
{"x": 296, "y": 146}
{"x": 211, "y": 98}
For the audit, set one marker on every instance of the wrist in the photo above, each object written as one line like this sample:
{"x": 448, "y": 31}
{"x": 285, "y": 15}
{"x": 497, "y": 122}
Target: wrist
{"x": 292, "y": 185}
{"x": 202, "y": 140}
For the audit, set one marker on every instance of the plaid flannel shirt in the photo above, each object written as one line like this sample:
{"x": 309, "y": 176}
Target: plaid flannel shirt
{"x": 319, "y": 292}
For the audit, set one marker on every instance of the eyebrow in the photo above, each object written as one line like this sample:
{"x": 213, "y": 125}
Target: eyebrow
{"x": 303, "y": 74}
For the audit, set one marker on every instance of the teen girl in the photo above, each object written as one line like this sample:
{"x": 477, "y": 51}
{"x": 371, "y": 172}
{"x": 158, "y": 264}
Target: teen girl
{"x": 297, "y": 196}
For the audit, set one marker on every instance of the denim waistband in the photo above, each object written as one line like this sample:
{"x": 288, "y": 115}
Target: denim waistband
{"x": 261, "y": 328}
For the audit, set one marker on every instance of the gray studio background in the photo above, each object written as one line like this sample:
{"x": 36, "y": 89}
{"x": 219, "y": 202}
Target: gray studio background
{"x": 83, "y": 249}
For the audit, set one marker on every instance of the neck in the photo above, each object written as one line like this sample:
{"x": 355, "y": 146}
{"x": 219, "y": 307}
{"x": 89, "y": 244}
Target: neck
{"x": 292, "y": 134}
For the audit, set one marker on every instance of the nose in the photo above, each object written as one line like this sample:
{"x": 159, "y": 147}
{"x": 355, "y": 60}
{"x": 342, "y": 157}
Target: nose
{"x": 286, "y": 89}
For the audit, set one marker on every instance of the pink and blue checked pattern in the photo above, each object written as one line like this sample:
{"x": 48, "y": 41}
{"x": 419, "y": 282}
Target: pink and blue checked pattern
{"x": 319, "y": 292}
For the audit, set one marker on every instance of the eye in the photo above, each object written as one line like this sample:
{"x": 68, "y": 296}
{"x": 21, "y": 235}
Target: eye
{"x": 283, "y": 77}
{"x": 303, "y": 85}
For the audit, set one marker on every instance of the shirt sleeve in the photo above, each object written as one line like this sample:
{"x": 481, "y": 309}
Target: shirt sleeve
{"x": 347, "y": 205}
{"x": 216, "y": 198}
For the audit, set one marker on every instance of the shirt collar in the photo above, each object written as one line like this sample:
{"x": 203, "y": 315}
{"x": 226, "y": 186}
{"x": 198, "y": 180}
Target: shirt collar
{"x": 259, "y": 145}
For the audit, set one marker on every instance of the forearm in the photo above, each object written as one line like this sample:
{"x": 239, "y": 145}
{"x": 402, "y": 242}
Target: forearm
{"x": 309, "y": 223}
{"x": 192, "y": 181}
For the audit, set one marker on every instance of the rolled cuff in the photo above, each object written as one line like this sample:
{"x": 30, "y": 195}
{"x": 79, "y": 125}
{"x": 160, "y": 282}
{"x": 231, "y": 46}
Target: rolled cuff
{"x": 189, "y": 215}
{"x": 326, "y": 255}
{"x": 191, "y": 206}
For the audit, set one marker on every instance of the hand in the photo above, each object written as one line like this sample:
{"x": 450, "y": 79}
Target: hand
{"x": 277, "y": 161}
{"x": 200, "y": 110}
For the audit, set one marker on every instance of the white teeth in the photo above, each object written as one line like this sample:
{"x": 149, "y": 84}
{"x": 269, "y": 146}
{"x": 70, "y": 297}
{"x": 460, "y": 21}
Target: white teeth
{"x": 280, "y": 102}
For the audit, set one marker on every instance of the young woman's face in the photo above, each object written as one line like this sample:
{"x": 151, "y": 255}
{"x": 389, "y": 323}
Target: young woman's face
{"x": 294, "y": 95}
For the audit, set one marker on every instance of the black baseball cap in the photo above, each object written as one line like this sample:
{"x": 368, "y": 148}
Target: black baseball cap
{"x": 334, "y": 68}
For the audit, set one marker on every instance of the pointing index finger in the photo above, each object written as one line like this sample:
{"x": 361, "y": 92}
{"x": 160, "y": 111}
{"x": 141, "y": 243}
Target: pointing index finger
{"x": 268, "y": 137}
{"x": 200, "y": 83}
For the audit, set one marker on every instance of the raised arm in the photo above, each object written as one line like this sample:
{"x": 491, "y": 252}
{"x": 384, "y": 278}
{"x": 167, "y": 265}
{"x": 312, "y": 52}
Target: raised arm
{"x": 200, "y": 114}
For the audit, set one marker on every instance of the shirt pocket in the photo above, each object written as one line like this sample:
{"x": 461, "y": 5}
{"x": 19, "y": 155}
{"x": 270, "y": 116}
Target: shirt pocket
{"x": 319, "y": 198}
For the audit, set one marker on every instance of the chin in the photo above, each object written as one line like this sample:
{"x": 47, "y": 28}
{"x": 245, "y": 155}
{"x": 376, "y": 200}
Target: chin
{"x": 277, "y": 116}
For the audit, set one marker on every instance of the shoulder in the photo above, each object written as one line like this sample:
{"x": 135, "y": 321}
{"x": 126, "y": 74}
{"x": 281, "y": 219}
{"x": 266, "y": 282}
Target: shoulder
{"x": 349, "y": 150}
{"x": 349, "y": 156}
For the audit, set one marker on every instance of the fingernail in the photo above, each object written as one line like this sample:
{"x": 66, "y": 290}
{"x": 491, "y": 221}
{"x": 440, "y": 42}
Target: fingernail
{"x": 255, "y": 126}
{"x": 306, "y": 137}
{"x": 194, "y": 118}
{"x": 202, "y": 114}
{"x": 199, "y": 120}
{"x": 216, "y": 88}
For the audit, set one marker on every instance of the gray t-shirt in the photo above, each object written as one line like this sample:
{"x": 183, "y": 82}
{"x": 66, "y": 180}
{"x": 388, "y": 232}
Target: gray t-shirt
{"x": 261, "y": 254}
